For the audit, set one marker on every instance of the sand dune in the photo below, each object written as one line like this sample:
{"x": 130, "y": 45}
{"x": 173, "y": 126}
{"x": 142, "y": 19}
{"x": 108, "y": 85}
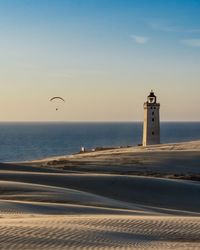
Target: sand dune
{"x": 97, "y": 201}
{"x": 178, "y": 160}
{"x": 92, "y": 189}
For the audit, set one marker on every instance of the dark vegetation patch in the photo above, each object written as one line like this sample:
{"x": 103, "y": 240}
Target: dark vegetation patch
{"x": 119, "y": 168}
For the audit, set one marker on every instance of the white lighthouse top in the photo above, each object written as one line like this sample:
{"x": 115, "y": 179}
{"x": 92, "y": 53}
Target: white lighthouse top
{"x": 151, "y": 97}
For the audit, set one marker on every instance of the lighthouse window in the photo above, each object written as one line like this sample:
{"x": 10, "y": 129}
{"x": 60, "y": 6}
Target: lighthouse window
{"x": 152, "y": 133}
{"x": 152, "y": 113}
{"x": 154, "y": 107}
{"x": 151, "y": 107}
{"x": 152, "y": 119}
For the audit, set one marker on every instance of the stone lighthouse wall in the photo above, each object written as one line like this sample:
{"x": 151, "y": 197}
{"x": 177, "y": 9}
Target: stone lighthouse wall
{"x": 151, "y": 126}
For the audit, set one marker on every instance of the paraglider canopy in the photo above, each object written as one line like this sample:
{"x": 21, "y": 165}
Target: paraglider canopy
{"x": 57, "y": 97}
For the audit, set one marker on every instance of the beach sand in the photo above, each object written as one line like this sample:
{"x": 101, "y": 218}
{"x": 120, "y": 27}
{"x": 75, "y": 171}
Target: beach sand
{"x": 126, "y": 198}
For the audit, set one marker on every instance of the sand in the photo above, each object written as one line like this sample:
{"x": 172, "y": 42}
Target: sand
{"x": 128, "y": 198}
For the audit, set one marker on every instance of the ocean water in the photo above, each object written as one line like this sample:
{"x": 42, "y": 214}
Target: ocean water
{"x": 28, "y": 141}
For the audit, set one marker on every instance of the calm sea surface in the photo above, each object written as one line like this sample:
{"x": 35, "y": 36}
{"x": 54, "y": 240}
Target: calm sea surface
{"x": 27, "y": 141}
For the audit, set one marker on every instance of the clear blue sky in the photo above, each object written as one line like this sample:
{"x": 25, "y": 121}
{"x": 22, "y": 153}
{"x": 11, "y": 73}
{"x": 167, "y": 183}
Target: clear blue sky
{"x": 102, "y": 56}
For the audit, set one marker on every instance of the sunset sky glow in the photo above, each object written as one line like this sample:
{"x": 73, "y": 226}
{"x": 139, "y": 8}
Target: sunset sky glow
{"x": 102, "y": 56}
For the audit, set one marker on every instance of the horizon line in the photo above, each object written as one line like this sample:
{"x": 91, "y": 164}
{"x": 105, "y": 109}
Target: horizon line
{"x": 128, "y": 121}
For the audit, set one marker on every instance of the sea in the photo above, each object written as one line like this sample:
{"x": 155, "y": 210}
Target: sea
{"x": 29, "y": 141}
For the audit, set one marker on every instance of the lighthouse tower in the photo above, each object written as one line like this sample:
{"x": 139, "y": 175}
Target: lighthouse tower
{"x": 151, "y": 126}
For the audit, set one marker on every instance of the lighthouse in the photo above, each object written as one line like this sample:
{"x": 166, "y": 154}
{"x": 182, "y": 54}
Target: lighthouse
{"x": 151, "y": 126}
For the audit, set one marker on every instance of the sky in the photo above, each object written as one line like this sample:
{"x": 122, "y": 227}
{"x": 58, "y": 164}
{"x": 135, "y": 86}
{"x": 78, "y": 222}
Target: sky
{"x": 102, "y": 56}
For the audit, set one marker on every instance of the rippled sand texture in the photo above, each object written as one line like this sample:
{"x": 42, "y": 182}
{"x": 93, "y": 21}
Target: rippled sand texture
{"x": 93, "y": 201}
{"x": 100, "y": 232}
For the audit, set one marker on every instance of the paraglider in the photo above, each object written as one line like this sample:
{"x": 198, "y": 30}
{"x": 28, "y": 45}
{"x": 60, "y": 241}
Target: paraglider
{"x": 57, "y": 100}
